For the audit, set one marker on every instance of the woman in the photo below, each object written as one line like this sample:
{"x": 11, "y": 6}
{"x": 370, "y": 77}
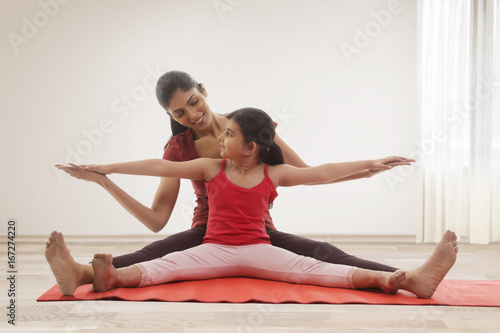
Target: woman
{"x": 185, "y": 101}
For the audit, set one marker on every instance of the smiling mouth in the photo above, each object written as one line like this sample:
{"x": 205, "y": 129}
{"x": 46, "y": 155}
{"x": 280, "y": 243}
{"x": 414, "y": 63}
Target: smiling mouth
{"x": 199, "y": 120}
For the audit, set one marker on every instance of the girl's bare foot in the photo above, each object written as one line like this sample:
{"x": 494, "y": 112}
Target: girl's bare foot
{"x": 104, "y": 272}
{"x": 390, "y": 284}
{"x": 385, "y": 281}
{"x": 107, "y": 277}
{"x": 68, "y": 273}
{"x": 424, "y": 280}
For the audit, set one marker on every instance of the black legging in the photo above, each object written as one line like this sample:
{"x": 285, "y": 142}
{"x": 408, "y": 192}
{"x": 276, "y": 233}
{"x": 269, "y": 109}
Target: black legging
{"x": 323, "y": 251}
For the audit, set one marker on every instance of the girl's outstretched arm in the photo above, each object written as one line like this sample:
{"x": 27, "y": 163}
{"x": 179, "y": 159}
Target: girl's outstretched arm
{"x": 292, "y": 158}
{"x": 286, "y": 175}
{"x": 201, "y": 168}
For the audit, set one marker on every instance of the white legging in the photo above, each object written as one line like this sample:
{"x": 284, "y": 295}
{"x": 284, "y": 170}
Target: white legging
{"x": 208, "y": 261}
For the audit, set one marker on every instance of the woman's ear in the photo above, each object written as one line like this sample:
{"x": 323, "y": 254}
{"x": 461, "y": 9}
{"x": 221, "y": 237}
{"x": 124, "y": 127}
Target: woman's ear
{"x": 203, "y": 90}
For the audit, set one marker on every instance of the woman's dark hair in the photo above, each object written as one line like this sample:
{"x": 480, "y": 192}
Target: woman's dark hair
{"x": 257, "y": 126}
{"x": 167, "y": 85}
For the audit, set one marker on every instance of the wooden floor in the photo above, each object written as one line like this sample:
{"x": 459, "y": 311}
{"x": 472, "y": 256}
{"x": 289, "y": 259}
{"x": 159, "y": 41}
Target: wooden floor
{"x": 34, "y": 278}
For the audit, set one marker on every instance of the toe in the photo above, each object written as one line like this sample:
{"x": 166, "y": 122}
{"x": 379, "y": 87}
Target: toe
{"x": 446, "y": 236}
{"x": 109, "y": 259}
{"x": 60, "y": 239}
{"x": 99, "y": 256}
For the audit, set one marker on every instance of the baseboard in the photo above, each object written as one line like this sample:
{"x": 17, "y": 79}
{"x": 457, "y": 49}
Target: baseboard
{"x": 408, "y": 239}
{"x": 151, "y": 238}
{"x": 363, "y": 238}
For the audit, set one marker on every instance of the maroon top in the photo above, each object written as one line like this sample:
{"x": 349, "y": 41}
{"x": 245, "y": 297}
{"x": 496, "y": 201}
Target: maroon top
{"x": 181, "y": 148}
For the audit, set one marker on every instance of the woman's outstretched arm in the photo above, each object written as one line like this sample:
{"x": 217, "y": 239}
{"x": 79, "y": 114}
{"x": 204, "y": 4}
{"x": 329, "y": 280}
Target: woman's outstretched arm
{"x": 286, "y": 175}
{"x": 154, "y": 218}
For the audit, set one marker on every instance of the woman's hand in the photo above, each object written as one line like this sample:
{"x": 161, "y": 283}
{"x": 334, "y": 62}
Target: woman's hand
{"x": 91, "y": 173}
{"x": 100, "y": 168}
{"x": 383, "y": 164}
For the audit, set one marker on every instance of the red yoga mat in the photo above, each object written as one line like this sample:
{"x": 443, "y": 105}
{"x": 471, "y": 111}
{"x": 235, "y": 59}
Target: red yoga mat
{"x": 242, "y": 290}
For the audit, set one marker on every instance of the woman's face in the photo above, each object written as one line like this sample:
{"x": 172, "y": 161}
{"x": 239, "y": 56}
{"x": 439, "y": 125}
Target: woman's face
{"x": 190, "y": 109}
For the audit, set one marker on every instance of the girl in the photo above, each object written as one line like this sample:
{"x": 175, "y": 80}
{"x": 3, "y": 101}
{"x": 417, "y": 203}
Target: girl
{"x": 240, "y": 188}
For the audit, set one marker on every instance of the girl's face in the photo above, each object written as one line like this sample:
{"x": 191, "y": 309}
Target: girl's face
{"x": 231, "y": 141}
{"x": 190, "y": 109}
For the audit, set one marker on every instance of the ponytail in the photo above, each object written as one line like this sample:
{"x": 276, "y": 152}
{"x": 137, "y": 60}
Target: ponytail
{"x": 176, "y": 129}
{"x": 256, "y": 126}
{"x": 272, "y": 155}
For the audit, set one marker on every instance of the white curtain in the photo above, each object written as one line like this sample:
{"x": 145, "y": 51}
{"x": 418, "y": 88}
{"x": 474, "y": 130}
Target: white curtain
{"x": 459, "y": 86}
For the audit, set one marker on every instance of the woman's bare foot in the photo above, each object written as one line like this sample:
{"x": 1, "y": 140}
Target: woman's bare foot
{"x": 104, "y": 272}
{"x": 68, "y": 273}
{"x": 424, "y": 280}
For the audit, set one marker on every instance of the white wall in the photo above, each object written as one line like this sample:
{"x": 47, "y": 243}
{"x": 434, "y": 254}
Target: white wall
{"x": 68, "y": 67}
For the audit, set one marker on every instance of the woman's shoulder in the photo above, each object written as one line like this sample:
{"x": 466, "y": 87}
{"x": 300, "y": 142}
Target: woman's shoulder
{"x": 180, "y": 147}
{"x": 181, "y": 137}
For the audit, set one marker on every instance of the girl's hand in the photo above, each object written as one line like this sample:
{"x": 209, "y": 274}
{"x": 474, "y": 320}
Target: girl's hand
{"x": 92, "y": 173}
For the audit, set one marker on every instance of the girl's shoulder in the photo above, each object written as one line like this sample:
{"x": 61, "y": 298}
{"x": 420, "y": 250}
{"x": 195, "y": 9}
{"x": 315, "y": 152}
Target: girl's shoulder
{"x": 279, "y": 167}
{"x": 275, "y": 172}
{"x": 211, "y": 162}
{"x": 211, "y": 166}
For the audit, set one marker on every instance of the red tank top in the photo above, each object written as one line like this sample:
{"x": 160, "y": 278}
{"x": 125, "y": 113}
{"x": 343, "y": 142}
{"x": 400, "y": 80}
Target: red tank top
{"x": 237, "y": 214}
{"x": 181, "y": 148}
